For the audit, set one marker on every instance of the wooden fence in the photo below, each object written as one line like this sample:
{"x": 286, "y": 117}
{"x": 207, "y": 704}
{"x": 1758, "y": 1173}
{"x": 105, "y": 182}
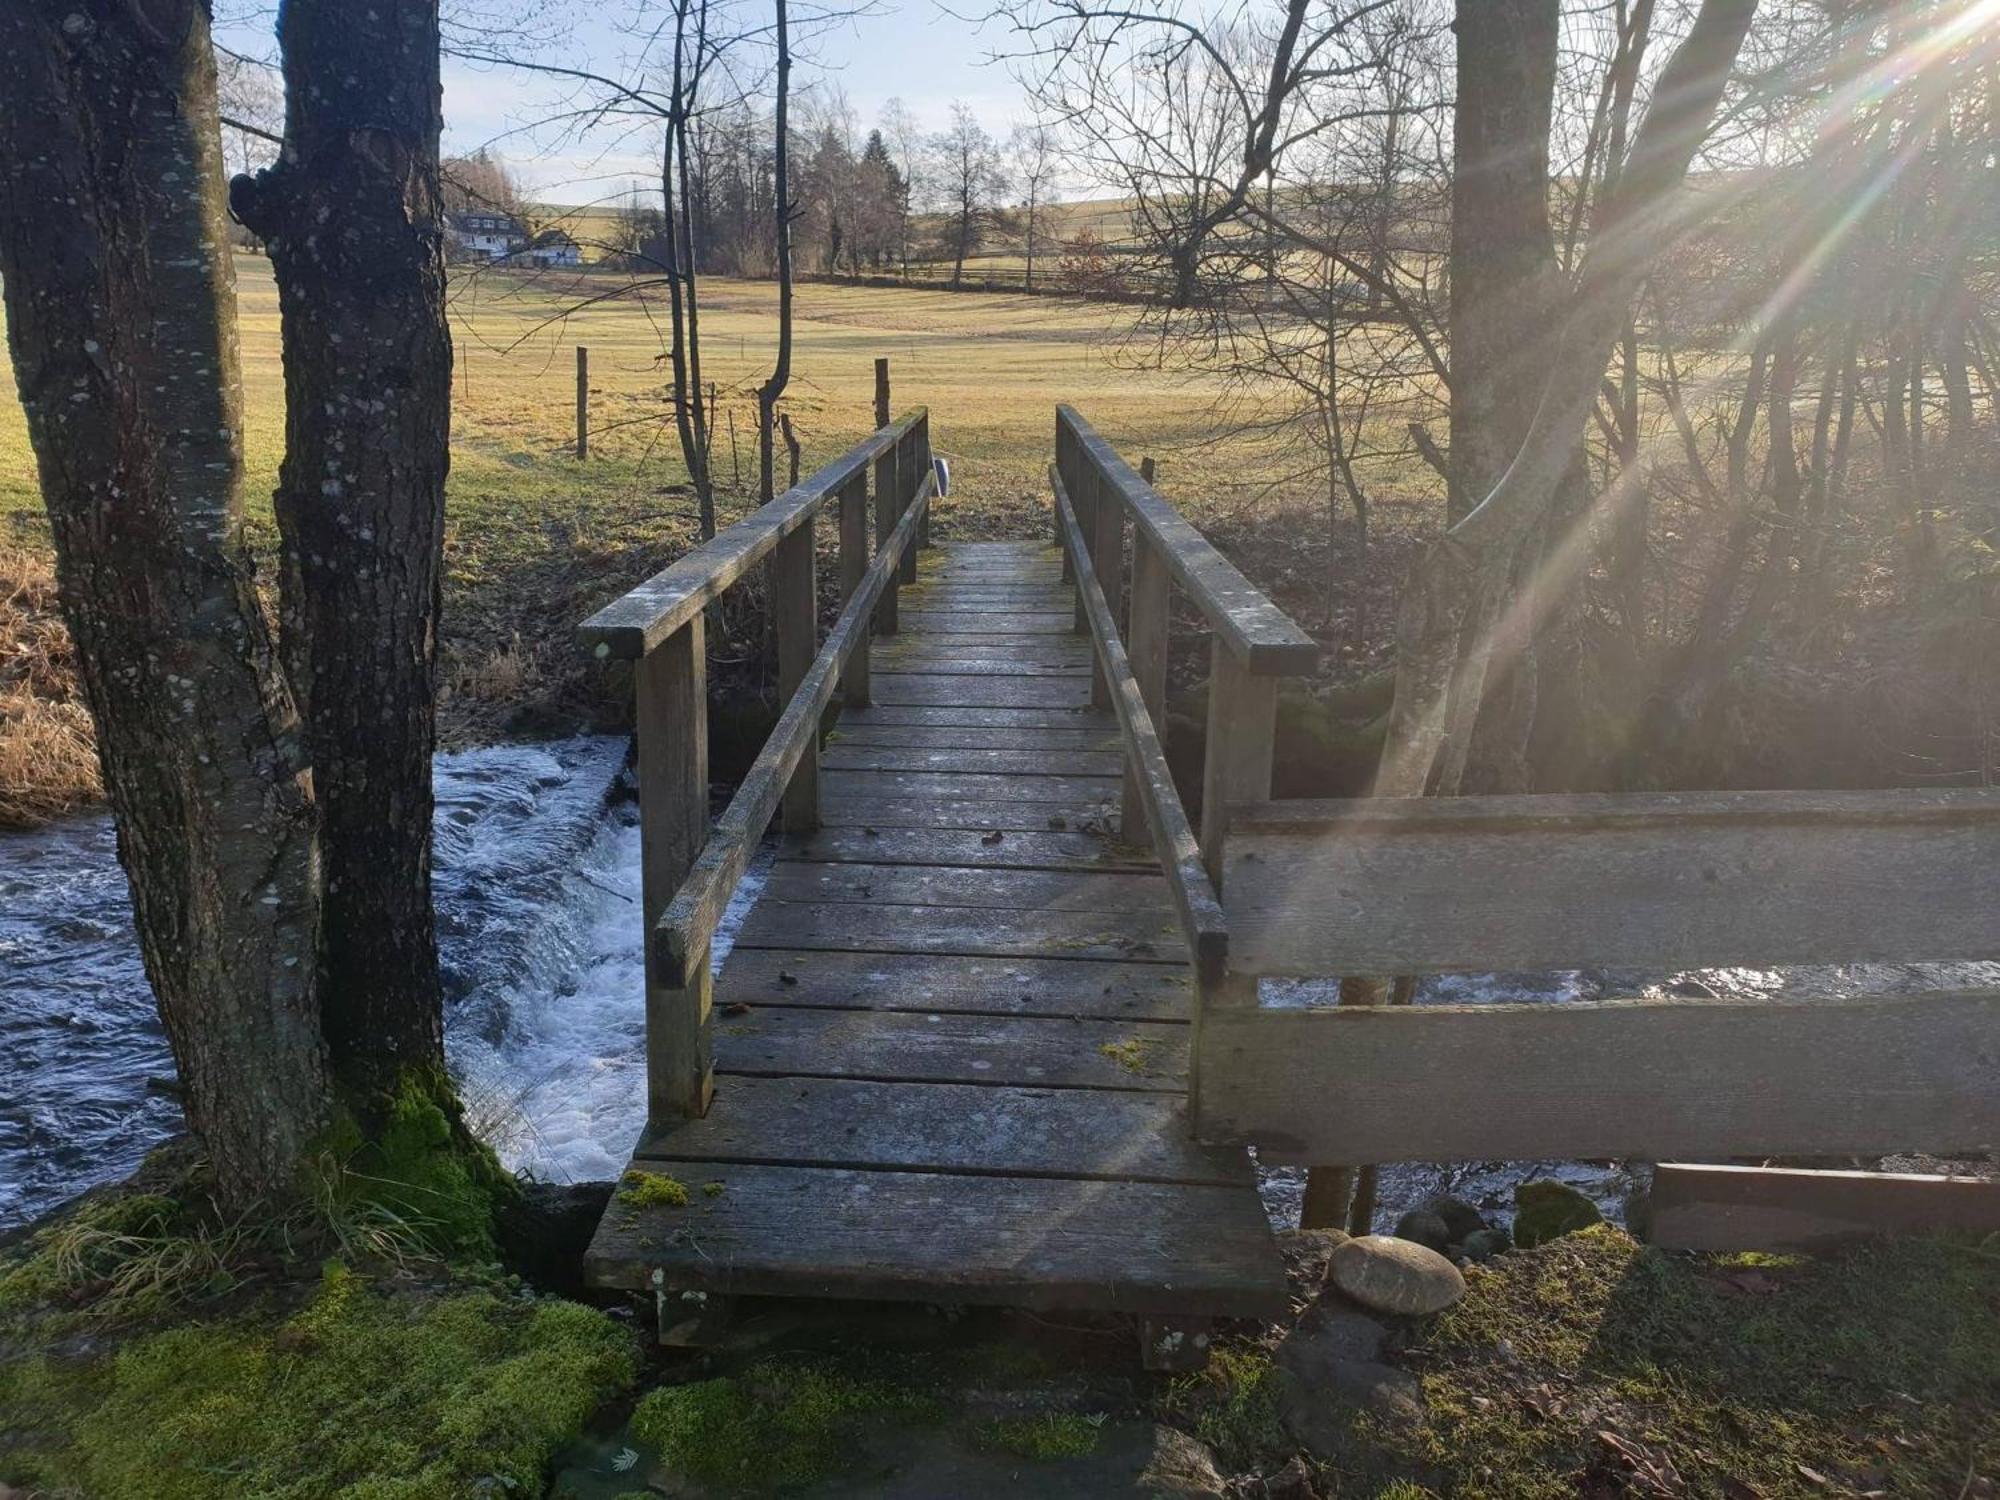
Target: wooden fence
{"x": 689, "y": 873}
{"x": 1406, "y": 886}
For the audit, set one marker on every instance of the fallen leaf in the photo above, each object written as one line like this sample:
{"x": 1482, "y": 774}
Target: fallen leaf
{"x": 736, "y": 1008}
{"x": 992, "y": 838}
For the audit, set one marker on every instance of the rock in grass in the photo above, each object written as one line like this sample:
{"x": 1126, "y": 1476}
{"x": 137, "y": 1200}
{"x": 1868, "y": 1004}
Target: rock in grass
{"x": 1306, "y": 1254}
{"x": 1460, "y": 1218}
{"x": 1545, "y": 1211}
{"x": 1180, "y": 1466}
{"x": 1421, "y": 1226}
{"x": 1396, "y": 1276}
{"x": 1484, "y": 1244}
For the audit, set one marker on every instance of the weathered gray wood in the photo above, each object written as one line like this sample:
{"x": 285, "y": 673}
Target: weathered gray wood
{"x": 1722, "y": 1208}
{"x": 965, "y": 691}
{"x": 1043, "y": 651}
{"x": 1146, "y": 648}
{"x": 909, "y": 473}
{"x": 878, "y": 927}
{"x": 984, "y": 602}
{"x": 1011, "y": 850}
{"x": 888, "y": 510}
{"x": 582, "y": 403}
{"x": 680, "y": 937}
{"x": 1030, "y": 1052}
{"x": 944, "y": 983}
{"x": 795, "y": 612}
{"x": 854, "y": 556}
{"x": 1087, "y": 814}
{"x": 971, "y": 786}
{"x": 930, "y": 664}
{"x": 1242, "y": 733}
{"x": 930, "y": 885}
{"x": 971, "y": 737}
{"x": 845, "y": 756}
{"x": 1026, "y": 622}
{"x": 966, "y": 716}
{"x": 1646, "y": 1079}
{"x": 1256, "y": 630}
{"x": 950, "y": 1127}
{"x": 928, "y": 1237}
{"x": 1200, "y": 914}
{"x": 639, "y": 620}
{"x": 672, "y": 715}
{"x": 1423, "y": 884}
{"x": 1106, "y": 540}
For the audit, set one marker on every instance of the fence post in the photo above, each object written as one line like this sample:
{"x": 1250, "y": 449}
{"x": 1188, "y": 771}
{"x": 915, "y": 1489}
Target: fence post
{"x": 906, "y": 491}
{"x": 672, "y": 691}
{"x": 1107, "y": 560}
{"x": 1146, "y": 647}
{"x": 582, "y": 403}
{"x": 923, "y": 537}
{"x": 853, "y": 563}
{"x": 886, "y": 512}
{"x": 795, "y": 604}
{"x": 1066, "y": 467}
{"x": 881, "y": 393}
{"x": 1242, "y": 730}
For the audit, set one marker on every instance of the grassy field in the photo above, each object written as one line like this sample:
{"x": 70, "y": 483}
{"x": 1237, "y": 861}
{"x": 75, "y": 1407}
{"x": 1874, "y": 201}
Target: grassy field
{"x": 537, "y": 540}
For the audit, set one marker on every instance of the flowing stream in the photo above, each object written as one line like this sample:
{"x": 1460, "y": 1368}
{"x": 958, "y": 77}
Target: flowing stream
{"x": 537, "y": 888}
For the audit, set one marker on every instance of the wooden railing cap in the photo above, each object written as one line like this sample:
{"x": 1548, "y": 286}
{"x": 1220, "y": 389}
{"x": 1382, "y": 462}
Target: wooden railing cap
{"x": 1264, "y": 637}
{"x": 636, "y": 622}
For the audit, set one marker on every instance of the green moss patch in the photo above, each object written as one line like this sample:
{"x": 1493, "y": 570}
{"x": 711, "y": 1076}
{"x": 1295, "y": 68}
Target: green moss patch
{"x": 777, "y": 1426}
{"x": 1593, "y": 1365}
{"x": 651, "y": 1190}
{"x": 1232, "y": 1406}
{"x": 362, "y": 1393}
{"x": 1045, "y": 1436}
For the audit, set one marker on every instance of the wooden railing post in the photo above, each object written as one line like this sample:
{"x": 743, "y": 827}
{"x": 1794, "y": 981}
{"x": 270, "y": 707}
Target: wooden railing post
{"x": 582, "y": 402}
{"x": 1242, "y": 731}
{"x": 672, "y": 691}
{"x": 888, "y": 510}
{"x": 795, "y": 605}
{"x": 1107, "y": 560}
{"x": 1152, "y": 588}
{"x": 906, "y": 491}
{"x": 923, "y": 436}
{"x": 1066, "y": 467}
{"x": 853, "y": 563}
{"x": 881, "y": 393}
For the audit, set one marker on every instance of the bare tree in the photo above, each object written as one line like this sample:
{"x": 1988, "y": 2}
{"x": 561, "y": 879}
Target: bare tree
{"x": 769, "y": 393}
{"x": 1037, "y": 158}
{"x": 971, "y": 182}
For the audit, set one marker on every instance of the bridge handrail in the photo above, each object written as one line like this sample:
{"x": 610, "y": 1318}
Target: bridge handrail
{"x": 1265, "y": 639}
{"x": 1173, "y": 837}
{"x": 639, "y": 620}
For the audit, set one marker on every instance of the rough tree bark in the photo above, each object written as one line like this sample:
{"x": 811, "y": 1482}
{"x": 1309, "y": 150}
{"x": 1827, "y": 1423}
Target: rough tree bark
{"x": 771, "y": 390}
{"x": 120, "y": 309}
{"x": 353, "y": 219}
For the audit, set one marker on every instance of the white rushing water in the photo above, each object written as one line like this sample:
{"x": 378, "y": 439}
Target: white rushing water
{"x": 537, "y": 888}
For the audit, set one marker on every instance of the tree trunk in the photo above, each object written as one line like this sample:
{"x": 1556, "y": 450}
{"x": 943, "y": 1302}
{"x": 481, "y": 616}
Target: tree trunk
{"x": 781, "y": 373}
{"x": 352, "y": 217}
{"x": 114, "y": 251}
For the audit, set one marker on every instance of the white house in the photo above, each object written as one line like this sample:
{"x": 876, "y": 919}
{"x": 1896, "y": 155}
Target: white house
{"x": 484, "y": 234}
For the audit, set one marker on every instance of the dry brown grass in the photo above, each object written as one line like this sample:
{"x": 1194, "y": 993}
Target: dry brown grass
{"x": 48, "y": 751}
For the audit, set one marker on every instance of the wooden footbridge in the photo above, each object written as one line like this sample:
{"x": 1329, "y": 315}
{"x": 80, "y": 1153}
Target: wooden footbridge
{"x": 989, "y": 1036}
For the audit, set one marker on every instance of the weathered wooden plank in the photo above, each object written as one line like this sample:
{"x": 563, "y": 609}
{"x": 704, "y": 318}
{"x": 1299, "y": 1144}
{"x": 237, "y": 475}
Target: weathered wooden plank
{"x": 946, "y": 983}
{"x": 854, "y": 559}
{"x": 1026, "y": 622}
{"x": 1086, "y": 814}
{"x": 971, "y": 737}
{"x": 1052, "y": 762}
{"x": 1012, "y": 849}
{"x": 962, "y": 691}
{"x": 1236, "y": 764}
{"x": 950, "y": 1127}
{"x": 1648, "y": 1079}
{"x": 972, "y": 786}
{"x": 672, "y": 710}
{"x": 1045, "y": 651}
{"x": 1031, "y": 1052}
{"x": 638, "y": 621}
{"x": 795, "y": 613}
{"x": 1256, "y": 630}
{"x": 1150, "y": 624}
{"x": 679, "y": 939}
{"x": 1419, "y": 884}
{"x": 919, "y": 1236}
{"x": 938, "y": 664}
{"x": 882, "y": 928}
{"x": 1724, "y": 1208}
{"x": 960, "y": 715}
{"x": 933, "y": 885}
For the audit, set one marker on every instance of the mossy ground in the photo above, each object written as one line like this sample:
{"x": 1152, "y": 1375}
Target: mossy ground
{"x": 1594, "y": 1366}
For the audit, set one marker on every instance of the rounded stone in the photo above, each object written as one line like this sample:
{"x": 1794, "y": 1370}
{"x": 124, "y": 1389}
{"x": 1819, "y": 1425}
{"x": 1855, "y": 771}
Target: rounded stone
{"x": 1396, "y": 1276}
{"x": 1484, "y": 1244}
{"x": 1460, "y": 1218}
{"x": 1421, "y": 1226}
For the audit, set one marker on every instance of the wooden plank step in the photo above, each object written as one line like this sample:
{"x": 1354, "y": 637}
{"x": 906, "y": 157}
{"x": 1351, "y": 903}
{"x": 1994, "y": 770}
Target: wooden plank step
{"x": 969, "y": 786}
{"x": 1011, "y": 850}
{"x": 1030, "y": 622}
{"x": 950, "y": 1127}
{"x": 959, "y": 761}
{"x": 965, "y": 691}
{"x": 1023, "y": 601}
{"x": 1046, "y": 1243}
{"x": 797, "y": 1041}
{"x": 972, "y": 737}
{"x": 1054, "y": 650}
{"x": 1149, "y": 936}
{"x": 950, "y": 664}
{"x": 931, "y": 885}
{"x": 862, "y": 810}
{"x": 964, "y": 717}
{"x": 940, "y": 983}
